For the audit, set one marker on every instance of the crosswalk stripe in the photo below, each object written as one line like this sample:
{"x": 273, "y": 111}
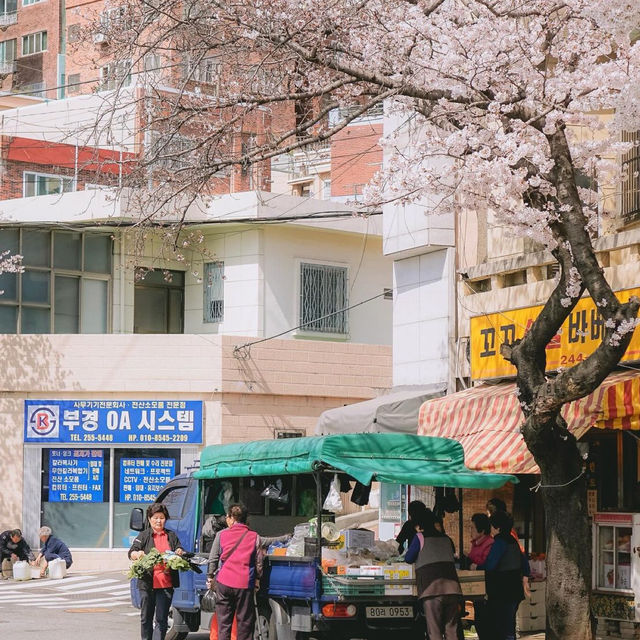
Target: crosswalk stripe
{"x": 31, "y": 599}
{"x": 83, "y": 604}
{"x": 40, "y": 582}
{"x": 98, "y": 589}
{"x": 92, "y": 583}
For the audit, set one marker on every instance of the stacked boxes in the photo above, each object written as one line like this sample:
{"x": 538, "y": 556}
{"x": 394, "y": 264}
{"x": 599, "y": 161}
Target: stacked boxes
{"x": 399, "y": 571}
{"x": 532, "y": 613}
{"x": 626, "y": 629}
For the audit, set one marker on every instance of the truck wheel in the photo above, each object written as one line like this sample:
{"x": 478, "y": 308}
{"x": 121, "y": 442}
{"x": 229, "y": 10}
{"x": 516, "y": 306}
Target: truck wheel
{"x": 172, "y": 634}
{"x": 265, "y": 627}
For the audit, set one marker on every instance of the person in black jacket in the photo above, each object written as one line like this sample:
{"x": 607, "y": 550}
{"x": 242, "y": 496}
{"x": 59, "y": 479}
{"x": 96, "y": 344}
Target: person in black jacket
{"x": 504, "y": 568}
{"x": 415, "y": 510}
{"x": 13, "y": 547}
{"x": 157, "y": 585}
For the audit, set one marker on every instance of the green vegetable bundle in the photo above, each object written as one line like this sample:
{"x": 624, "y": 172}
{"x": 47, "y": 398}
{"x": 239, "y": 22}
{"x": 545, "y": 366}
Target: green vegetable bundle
{"x": 143, "y": 565}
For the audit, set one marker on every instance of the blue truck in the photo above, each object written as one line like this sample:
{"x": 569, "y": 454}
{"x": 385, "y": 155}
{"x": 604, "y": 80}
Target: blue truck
{"x": 284, "y": 483}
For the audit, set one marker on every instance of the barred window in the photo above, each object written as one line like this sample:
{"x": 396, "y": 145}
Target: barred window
{"x": 214, "y": 291}
{"x": 630, "y": 205}
{"x": 323, "y": 298}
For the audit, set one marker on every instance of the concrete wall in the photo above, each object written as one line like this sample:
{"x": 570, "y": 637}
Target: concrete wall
{"x": 423, "y": 318}
{"x": 369, "y": 273}
{"x": 279, "y": 384}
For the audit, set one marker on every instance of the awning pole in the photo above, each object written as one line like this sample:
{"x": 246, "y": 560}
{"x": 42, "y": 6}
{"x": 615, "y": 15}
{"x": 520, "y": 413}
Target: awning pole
{"x": 317, "y": 477}
{"x": 460, "y": 526}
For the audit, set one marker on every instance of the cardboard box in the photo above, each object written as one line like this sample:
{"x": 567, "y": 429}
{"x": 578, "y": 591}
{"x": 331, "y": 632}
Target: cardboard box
{"x": 399, "y": 571}
{"x": 472, "y": 583}
{"x": 371, "y": 570}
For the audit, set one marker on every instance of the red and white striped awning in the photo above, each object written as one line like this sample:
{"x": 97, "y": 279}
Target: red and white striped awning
{"x": 486, "y": 420}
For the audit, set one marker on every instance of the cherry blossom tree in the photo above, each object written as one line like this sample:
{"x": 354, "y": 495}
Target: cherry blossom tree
{"x": 507, "y": 95}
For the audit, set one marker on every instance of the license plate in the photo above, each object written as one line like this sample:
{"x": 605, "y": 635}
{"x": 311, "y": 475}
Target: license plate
{"x": 389, "y": 612}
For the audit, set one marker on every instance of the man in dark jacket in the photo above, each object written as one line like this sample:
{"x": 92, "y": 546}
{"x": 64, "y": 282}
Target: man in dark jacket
{"x": 13, "y": 547}
{"x": 52, "y": 548}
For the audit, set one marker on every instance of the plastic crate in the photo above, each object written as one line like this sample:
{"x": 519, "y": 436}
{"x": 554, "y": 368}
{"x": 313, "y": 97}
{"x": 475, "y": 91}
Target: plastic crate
{"x": 291, "y": 577}
{"x": 351, "y": 586}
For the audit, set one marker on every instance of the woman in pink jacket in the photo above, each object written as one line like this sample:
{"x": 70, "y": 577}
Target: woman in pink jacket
{"x": 481, "y": 540}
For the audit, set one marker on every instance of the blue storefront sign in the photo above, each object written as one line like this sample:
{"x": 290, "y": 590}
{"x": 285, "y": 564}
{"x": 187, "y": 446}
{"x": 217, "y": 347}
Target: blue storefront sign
{"x": 142, "y": 478}
{"x": 107, "y": 422}
{"x": 76, "y": 475}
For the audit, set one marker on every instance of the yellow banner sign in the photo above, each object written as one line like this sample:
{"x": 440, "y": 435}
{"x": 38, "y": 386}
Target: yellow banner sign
{"x": 577, "y": 339}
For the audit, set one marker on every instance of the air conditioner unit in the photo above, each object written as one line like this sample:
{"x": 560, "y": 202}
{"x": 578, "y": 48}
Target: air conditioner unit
{"x": 100, "y": 38}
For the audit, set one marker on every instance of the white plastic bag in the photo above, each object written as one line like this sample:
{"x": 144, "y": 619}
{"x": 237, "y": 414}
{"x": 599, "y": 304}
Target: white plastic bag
{"x": 57, "y": 569}
{"x": 21, "y": 570}
{"x": 333, "y": 501}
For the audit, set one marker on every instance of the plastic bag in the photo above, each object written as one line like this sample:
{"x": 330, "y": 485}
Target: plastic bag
{"x": 275, "y": 491}
{"x": 333, "y": 501}
{"x": 208, "y": 601}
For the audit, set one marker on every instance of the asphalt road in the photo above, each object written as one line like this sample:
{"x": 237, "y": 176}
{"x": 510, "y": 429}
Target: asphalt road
{"x": 80, "y": 606}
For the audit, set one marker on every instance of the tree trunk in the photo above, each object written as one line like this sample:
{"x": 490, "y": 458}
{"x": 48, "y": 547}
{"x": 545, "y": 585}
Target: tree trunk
{"x": 564, "y": 492}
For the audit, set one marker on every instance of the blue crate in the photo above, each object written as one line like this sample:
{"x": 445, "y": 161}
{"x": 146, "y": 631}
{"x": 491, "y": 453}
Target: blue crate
{"x": 294, "y": 578}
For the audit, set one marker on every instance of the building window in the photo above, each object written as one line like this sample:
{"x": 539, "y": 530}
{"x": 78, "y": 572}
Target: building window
{"x": 64, "y": 287}
{"x": 326, "y": 189}
{"x": 34, "y": 43}
{"x": 8, "y": 56}
{"x": 205, "y": 71}
{"x": 8, "y": 7}
{"x": 630, "y": 204}
{"x": 114, "y": 75}
{"x": 214, "y": 291}
{"x": 158, "y": 301}
{"x": 26, "y": 3}
{"x": 170, "y": 150}
{"x": 44, "y": 184}
{"x": 323, "y": 298}
{"x": 73, "y": 83}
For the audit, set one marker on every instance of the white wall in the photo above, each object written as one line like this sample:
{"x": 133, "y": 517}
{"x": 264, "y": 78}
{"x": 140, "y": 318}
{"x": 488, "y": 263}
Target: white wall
{"x": 423, "y": 318}
{"x": 369, "y": 274}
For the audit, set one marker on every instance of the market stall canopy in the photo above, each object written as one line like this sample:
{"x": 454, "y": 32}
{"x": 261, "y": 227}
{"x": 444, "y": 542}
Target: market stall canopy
{"x": 486, "y": 420}
{"x": 386, "y": 457}
{"x": 395, "y": 412}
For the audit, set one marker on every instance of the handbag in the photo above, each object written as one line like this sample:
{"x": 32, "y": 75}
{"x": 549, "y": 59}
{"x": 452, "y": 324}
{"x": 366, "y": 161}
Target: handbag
{"x": 208, "y": 600}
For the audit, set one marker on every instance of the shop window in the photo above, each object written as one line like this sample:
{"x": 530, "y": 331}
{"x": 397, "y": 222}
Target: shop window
{"x": 44, "y": 184}
{"x": 214, "y": 291}
{"x": 158, "y": 301}
{"x": 64, "y": 287}
{"x": 76, "y": 489}
{"x": 323, "y": 298}
{"x": 615, "y": 461}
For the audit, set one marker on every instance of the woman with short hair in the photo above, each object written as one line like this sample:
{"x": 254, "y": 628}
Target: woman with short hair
{"x": 158, "y": 583}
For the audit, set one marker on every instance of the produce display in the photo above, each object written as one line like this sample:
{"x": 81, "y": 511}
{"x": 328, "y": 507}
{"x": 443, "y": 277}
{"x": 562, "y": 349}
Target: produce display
{"x": 146, "y": 563}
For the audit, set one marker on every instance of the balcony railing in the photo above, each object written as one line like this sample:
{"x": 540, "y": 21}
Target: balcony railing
{"x": 7, "y": 67}
{"x": 306, "y": 160}
{"x": 8, "y": 18}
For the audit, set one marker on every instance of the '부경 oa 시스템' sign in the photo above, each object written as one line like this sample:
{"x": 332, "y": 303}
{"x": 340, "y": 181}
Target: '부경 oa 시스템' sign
{"x": 578, "y": 337}
{"x": 113, "y": 421}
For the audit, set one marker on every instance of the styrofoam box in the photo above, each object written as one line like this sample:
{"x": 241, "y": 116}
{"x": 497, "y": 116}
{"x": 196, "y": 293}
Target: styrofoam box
{"x": 399, "y": 571}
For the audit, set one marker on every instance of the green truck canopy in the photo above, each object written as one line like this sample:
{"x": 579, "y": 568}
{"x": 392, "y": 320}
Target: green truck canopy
{"x": 385, "y": 457}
